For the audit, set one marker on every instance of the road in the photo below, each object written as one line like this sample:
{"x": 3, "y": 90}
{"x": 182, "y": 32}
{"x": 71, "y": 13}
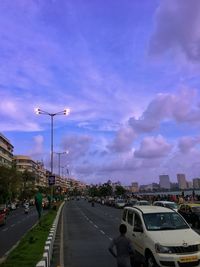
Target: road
{"x": 88, "y": 232}
{"x": 16, "y": 226}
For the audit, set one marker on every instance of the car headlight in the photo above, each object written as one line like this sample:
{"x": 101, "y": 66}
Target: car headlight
{"x": 162, "y": 249}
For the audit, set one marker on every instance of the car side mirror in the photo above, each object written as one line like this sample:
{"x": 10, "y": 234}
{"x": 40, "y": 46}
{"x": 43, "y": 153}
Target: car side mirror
{"x": 138, "y": 229}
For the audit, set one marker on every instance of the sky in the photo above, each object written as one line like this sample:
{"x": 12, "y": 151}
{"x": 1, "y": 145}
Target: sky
{"x": 127, "y": 69}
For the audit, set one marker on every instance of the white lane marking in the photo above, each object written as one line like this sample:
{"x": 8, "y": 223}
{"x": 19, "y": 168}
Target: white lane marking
{"x": 90, "y": 221}
{"x": 12, "y": 225}
{"x": 110, "y": 238}
{"x": 5, "y": 229}
{"x": 96, "y": 226}
{"x": 102, "y": 232}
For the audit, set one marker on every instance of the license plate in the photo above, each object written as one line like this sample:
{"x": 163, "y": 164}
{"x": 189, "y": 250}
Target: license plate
{"x": 188, "y": 259}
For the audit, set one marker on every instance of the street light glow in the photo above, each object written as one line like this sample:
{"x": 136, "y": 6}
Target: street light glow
{"x": 66, "y": 111}
{"x": 37, "y": 111}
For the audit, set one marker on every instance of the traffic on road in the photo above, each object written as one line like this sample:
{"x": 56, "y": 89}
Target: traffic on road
{"x": 89, "y": 227}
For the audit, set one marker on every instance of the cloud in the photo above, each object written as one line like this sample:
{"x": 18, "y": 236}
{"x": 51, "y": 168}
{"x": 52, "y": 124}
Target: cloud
{"x": 177, "y": 29}
{"x": 153, "y": 147}
{"x": 78, "y": 146}
{"x": 123, "y": 140}
{"x": 180, "y": 107}
{"x": 188, "y": 143}
{"x": 37, "y": 151}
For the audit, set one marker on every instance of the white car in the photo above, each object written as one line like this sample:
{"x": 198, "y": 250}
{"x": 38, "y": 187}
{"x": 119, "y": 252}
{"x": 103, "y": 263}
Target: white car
{"x": 161, "y": 236}
{"x": 120, "y": 203}
{"x": 142, "y": 203}
{"x": 167, "y": 204}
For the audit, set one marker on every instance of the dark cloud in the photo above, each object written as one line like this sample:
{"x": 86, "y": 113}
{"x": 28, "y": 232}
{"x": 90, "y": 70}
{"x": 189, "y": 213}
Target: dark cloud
{"x": 177, "y": 28}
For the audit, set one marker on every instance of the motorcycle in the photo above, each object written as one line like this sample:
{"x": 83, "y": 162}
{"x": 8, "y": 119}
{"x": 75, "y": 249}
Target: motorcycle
{"x": 26, "y": 209}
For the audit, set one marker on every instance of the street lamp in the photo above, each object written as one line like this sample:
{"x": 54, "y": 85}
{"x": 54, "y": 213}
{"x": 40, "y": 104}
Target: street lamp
{"x": 59, "y": 154}
{"x": 65, "y": 112}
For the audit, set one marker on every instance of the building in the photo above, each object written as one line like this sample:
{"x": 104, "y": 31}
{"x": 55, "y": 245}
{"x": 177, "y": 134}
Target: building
{"x": 196, "y": 183}
{"x": 190, "y": 184}
{"x": 41, "y": 173}
{"x": 134, "y": 188}
{"x": 164, "y": 181}
{"x": 25, "y": 163}
{"x": 182, "y": 184}
{"x": 6, "y": 151}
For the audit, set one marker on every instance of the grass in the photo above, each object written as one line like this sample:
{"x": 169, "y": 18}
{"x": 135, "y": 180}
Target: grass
{"x": 31, "y": 247}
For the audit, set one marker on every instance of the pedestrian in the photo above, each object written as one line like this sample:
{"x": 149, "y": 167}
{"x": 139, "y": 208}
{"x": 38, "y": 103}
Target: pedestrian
{"x": 123, "y": 249}
{"x": 38, "y": 203}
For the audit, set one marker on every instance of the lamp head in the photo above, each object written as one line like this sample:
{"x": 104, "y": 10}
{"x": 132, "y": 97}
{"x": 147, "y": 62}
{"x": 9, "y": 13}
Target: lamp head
{"x": 37, "y": 111}
{"x": 66, "y": 111}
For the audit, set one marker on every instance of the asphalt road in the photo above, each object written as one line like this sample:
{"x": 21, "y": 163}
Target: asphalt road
{"x": 88, "y": 232}
{"x": 16, "y": 226}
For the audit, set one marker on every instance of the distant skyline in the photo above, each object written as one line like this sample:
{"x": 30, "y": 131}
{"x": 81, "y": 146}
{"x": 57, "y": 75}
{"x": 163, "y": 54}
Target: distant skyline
{"x": 129, "y": 72}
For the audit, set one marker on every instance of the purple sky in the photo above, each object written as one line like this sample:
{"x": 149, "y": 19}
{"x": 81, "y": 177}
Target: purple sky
{"x": 129, "y": 71}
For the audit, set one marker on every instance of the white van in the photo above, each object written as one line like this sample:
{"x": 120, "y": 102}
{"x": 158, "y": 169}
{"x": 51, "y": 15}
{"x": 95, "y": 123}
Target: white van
{"x": 161, "y": 236}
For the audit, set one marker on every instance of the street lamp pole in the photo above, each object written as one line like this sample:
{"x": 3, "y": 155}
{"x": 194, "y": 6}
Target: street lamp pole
{"x": 59, "y": 154}
{"x": 65, "y": 112}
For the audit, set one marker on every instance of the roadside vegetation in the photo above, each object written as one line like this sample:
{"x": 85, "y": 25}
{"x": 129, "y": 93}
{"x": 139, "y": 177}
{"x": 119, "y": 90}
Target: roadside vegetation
{"x": 106, "y": 190}
{"x": 31, "y": 247}
{"x": 17, "y": 185}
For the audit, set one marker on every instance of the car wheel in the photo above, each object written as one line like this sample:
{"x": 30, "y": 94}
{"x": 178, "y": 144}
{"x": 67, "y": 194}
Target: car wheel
{"x": 150, "y": 261}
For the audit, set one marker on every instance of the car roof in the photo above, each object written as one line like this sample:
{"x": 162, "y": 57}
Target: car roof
{"x": 150, "y": 209}
{"x": 165, "y": 202}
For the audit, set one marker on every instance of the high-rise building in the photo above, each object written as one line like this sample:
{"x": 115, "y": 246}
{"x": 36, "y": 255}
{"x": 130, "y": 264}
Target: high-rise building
{"x": 6, "y": 151}
{"x": 164, "y": 181}
{"x": 182, "y": 184}
{"x": 196, "y": 183}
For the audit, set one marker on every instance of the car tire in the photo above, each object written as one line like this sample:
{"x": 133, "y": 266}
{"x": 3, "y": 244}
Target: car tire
{"x": 150, "y": 261}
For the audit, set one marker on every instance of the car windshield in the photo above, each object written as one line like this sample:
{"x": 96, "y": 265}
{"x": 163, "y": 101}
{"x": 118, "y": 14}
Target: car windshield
{"x": 164, "y": 221}
{"x": 171, "y": 205}
{"x": 196, "y": 209}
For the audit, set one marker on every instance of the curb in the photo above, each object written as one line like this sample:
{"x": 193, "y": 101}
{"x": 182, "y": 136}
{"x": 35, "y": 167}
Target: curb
{"x": 48, "y": 248}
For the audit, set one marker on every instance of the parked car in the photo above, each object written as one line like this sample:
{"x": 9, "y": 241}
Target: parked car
{"x": 131, "y": 202}
{"x": 3, "y": 216}
{"x": 161, "y": 236}
{"x": 142, "y": 203}
{"x": 191, "y": 213}
{"x": 5, "y": 208}
{"x": 167, "y": 204}
{"x": 120, "y": 203}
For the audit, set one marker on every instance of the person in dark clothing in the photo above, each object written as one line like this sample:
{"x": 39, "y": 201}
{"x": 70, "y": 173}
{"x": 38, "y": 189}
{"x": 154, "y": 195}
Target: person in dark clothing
{"x": 123, "y": 248}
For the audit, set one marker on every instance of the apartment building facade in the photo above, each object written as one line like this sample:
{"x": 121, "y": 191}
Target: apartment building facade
{"x": 6, "y": 151}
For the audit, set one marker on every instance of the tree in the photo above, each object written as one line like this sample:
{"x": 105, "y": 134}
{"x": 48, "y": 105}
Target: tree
{"x": 93, "y": 191}
{"x": 28, "y": 181}
{"x": 105, "y": 190}
{"x": 10, "y": 184}
{"x": 120, "y": 190}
